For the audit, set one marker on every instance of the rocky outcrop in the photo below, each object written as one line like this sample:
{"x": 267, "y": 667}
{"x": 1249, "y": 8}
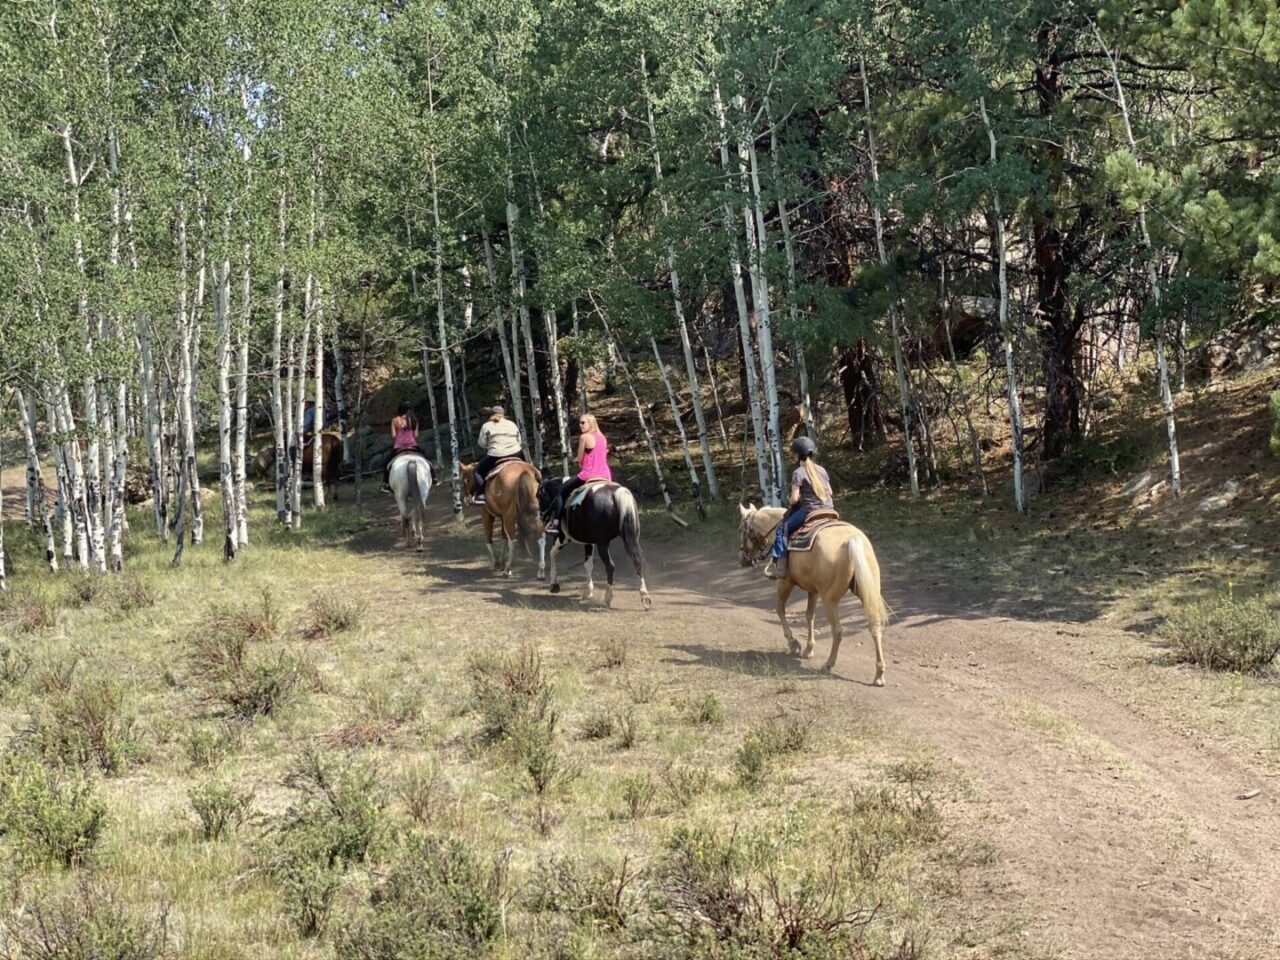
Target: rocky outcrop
{"x": 1239, "y": 350}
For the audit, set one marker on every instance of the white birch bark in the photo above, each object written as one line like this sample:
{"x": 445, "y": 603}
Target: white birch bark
{"x": 74, "y": 465}
{"x": 223, "y": 333}
{"x": 196, "y": 326}
{"x": 520, "y": 289}
{"x": 309, "y": 298}
{"x": 36, "y": 494}
{"x": 62, "y": 516}
{"x": 694, "y": 482}
{"x": 793, "y": 309}
{"x": 1153, "y": 279}
{"x": 690, "y": 368}
{"x": 291, "y": 370}
{"x": 510, "y": 356}
{"x": 427, "y": 377}
{"x": 581, "y": 385}
{"x": 455, "y": 473}
{"x": 317, "y": 439}
{"x": 188, "y": 482}
{"x": 1006, "y": 333}
{"x": 278, "y": 406}
{"x": 339, "y": 394}
{"x": 763, "y": 459}
{"x": 899, "y": 363}
{"x": 239, "y": 455}
{"x": 152, "y": 412}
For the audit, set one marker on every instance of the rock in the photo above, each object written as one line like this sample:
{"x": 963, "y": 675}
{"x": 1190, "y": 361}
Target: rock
{"x": 1242, "y": 349}
{"x": 1213, "y": 446}
{"x": 1137, "y": 484}
{"x": 1220, "y": 501}
{"x": 1158, "y": 490}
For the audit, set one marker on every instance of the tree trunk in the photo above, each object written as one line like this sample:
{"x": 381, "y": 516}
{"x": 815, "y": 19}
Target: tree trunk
{"x": 455, "y": 472}
{"x": 36, "y": 495}
{"x": 752, "y": 397}
{"x": 188, "y": 481}
{"x": 580, "y": 373}
{"x": 222, "y": 320}
{"x": 898, "y": 362}
{"x": 277, "y": 401}
{"x": 694, "y": 484}
{"x": 521, "y": 309}
{"x": 240, "y": 454}
{"x": 317, "y": 438}
{"x": 1006, "y": 333}
{"x": 691, "y": 373}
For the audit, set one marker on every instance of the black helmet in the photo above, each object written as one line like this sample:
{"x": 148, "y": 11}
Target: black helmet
{"x": 803, "y": 447}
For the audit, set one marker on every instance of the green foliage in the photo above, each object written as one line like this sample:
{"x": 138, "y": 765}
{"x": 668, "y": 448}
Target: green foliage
{"x": 509, "y": 692}
{"x": 1274, "y": 403}
{"x": 339, "y": 809}
{"x": 1226, "y": 633}
{"x": 330, "y": 614}
{"x": 87, "y": 922}
{"x": 637, "y": 795}
{"x": 599, "y": 895}
{"x": 222, "y": 807}
{"x": 85, "y": 726}
{"x": 706, "y": 709}
{"x": 438, "y": 901}
{"x": 50, "y": 816}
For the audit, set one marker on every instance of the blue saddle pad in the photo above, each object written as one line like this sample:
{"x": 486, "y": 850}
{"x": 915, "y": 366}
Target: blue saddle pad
{"x": 578, "y": 496}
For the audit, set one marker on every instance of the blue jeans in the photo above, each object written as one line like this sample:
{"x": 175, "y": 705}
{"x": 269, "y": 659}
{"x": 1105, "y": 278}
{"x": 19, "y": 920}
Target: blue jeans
{"x": 792, "y": 522}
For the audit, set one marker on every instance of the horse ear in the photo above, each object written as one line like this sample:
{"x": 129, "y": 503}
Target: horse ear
{"x": 743, "y": 511}
{"x": 752, "y": 506}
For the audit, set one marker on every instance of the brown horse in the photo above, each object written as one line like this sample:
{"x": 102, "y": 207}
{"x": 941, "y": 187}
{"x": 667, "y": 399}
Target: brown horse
{"x": 841, "y": 560}
{"x": 511, "y": 498}
{"x": 330, "y": 465}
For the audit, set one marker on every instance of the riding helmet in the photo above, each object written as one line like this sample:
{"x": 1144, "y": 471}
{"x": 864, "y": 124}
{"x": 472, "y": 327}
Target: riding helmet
{"x": 803, "y": 447}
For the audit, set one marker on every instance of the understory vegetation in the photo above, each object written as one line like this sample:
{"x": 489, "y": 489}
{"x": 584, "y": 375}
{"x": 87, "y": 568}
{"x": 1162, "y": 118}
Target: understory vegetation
{"x": 218, "y": 777}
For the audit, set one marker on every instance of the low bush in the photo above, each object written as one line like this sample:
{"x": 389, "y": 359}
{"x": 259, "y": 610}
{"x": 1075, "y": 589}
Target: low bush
{"x": 628, "y": 730}
{"x": 1274, "y": 403}
{"x": 602, "y": 895}
{"x": 340, "y": 805}
{"x": 751, "y": 762}
{"x": 207, "y": 745}
{"x": 133, "y": 592}
{"x": 684, "y": 782}
{"x": 51, "y": 816}
{"x": 439, "y": 900}
{"x": 221, "y": 807}
{"x": 762, "y": 744}
{"x": 1226, "y": 633}
{"x": 637, "y": 795}
{"x": 509, "y": 692}
{"x": 598, "y": 726}
{"x": 330, "y": 615}
{"x": 84, "y": 586}
{"x": 88, "y": 922}
{"x": 15, "y": 664}
{"x": 29, "y": 611}
{"x": 264, "y": 687}
{"x": 308, "y": 881}
{"x": 707, "y": 709}
{"x": 85, "y": 726}
{"x": 426, "y": 795}
{"x": 613, "y": 653}
{"x": 642, "y": 690}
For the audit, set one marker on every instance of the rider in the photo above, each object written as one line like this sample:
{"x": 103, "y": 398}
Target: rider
{"x": 500, "y": 440}
{"x": 810, "y": 490}
{"x": 593, "y": 456}
{"x": 404, "y": 438}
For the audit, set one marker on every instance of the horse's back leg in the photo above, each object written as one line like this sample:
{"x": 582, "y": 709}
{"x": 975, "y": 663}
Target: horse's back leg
{"x": 631, "y": 541}
{"x": 588, "y": 565}
{"x": 555, "y": 552}
{"x": 810, "y": 620}
{"x": 608, "y": 570}
{"x": 831, "y": 605}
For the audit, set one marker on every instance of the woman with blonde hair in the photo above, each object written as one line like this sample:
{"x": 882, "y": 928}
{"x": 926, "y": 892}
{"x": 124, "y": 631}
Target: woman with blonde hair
{"x": 593, "y": 458}
{"x": 810, "y": 490}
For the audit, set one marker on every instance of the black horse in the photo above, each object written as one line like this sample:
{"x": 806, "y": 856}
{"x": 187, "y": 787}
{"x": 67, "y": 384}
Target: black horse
{"x": 607, "y": 511}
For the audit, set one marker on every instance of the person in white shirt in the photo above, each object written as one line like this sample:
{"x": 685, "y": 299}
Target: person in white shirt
{"x": 500, "y": 440}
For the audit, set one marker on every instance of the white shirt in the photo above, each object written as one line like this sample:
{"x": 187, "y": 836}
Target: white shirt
{"x": 500, "y": 438}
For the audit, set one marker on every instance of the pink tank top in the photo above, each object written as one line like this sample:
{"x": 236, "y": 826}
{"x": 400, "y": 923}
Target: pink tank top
{"x": 595, "y": 462}
{"x": 405, "y": 439}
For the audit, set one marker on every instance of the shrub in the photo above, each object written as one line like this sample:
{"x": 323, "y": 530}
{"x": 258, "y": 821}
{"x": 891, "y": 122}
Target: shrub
{"x": 628, "y": 730}
{"x": 438, "y": 901}
{"x": 55, "y": 674}
{"x": 642, "y": 690}
{"x": 308, "y": 881}
{"x": 15, "y": 664}
{"x": 765, "y": 741}
{"x": 685, "y": 782}
{"x": 509, "y": 692}
{"x": 425, "y": 793}
{"x": 84, "y": 586}
{"x": 613, "y": 653}
{"x": 52, "y": 817}
{"x": 339, "y": 806}
{"x": 547, "y": 770}
{"x": 751, "y": 762}
{"x": 207, "y": 746}
{"x": 637, "y": 795}
{"x": 603, "y": 894}
{"x": 86, "y": 726}
{"x": 89, "y": 922}
{"x": 30, "y": 611}
{"x": 330, "y": 614}
{"x": 598, "y": 726}
{"x": 707, "y": 710}
{"x": 883, "y": 822}
{"x": 1226, "y": 633}
{"x": 221, "y": 807}
{"x": 263, "y": 688}
{"x": 132, "y": 593}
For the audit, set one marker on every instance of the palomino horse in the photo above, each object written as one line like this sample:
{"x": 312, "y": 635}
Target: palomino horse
{"x": 607, "y": 511}
{"x": 411, "y": 483}
{"x": 330, "y": 464}
{"x": 841, "y": 559}
{"x": 511, "y": 498}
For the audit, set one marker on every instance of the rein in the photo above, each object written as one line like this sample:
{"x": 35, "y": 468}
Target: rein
{"x": 768, "y": 543}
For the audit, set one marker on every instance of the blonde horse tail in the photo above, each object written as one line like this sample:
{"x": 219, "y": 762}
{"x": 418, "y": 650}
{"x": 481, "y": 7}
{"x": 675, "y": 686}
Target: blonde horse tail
{"x": 866, "y": 581}
{"x": 527, "y": 508}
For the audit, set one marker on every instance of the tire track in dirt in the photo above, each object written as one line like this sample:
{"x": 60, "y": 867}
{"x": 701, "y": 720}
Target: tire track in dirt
{"x": 1118, "y": 836}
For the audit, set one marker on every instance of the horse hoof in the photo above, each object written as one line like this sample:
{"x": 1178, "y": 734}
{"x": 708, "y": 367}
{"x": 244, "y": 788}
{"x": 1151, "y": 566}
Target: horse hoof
{"x": 647, "y": 602}
{"x": 828, "y": 667}
{"x": 555, "y": 588}
{"x": 793, "y": 649}
{"x": 542, "y": 576}
{"x": 806, "y": 654}
{"x": 878, "y": 682}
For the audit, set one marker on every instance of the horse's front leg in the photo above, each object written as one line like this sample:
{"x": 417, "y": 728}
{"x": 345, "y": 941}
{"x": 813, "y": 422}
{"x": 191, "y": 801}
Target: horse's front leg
{"x": 555, "y": 551}
{"x": 785, "y": 587}
{"x": 542, "y": 557}
{"x": 588, "y": 565}
{"x": 488, "y": 538}
{"x": 510, "y": 537}
{"x": 608, "y": 570}
{"x": 810, "y": 620}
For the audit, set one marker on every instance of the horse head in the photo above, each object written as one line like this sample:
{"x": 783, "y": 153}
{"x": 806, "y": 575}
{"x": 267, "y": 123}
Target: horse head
{"x": 548, "y": 487}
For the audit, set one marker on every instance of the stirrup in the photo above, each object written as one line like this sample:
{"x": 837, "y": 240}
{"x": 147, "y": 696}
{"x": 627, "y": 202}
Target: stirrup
{"x": 478, "y": 500}
{"x": 776, "y": 569}
{"x": 553, "y": 527}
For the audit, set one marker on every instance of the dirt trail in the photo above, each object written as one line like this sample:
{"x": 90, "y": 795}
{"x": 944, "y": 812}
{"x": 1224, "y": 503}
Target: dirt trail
{"x": 1119, "y": 837}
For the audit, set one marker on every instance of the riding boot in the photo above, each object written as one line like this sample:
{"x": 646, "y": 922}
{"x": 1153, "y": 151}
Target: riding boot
{"x": 776, "y": 568}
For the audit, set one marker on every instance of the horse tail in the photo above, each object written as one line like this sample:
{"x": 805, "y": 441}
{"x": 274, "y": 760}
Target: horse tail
{"x": 527, "y": 509}
{"x": 866, "y": 580}
{"x": 629, "y": 519}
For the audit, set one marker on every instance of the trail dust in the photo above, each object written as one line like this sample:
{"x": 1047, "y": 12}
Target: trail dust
{"x": 1118, "y": 836}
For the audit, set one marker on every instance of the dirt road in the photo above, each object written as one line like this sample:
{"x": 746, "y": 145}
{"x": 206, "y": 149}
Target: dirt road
{"x": 1119, "y": 836}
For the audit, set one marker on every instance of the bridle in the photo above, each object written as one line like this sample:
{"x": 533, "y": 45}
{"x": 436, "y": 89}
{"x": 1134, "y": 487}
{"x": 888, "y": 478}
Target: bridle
{"x": 767, "y": 546}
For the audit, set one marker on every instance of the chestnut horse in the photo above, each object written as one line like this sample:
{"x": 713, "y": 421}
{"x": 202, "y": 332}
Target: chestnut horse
{"x": 840, "y": 560}
{"x": 511, "y": 498}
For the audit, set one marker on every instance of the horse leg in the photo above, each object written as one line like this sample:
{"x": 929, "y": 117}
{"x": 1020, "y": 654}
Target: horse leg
{"x": 510, "y": 536}
{"x": 588, "y": 564}
{"x": 785, "y": 587}
{"x": 608, "y": 569}
{"x": 632, "y": 545}
{"x": 488, "y": 536}
{"x": 831, "y": 604}
{"x": 810, "y": 619}
{"x": 404, "y": 529}
{"x": 555, "y": 577}
{"x": 542, "y": 557}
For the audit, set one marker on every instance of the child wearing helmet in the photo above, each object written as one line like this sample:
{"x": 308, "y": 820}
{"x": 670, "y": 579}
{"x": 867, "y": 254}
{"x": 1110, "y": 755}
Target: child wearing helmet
{"x": 810, "y": 490}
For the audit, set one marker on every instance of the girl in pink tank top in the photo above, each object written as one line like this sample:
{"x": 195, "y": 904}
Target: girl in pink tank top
{"x": 593, "y": 458}
{"x": 595, "y": 461}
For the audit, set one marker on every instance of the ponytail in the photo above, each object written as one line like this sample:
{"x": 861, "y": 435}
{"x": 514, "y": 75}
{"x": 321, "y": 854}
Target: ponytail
{"x": 815, "y": 479}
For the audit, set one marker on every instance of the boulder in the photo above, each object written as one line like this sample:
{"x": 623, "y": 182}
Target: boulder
{"x": 1237, "y": 350}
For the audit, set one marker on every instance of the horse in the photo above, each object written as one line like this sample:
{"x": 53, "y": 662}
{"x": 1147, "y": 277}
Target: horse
{"x": 330, "y": 464}
{"x": 411, "y": 483}
{"x": 511, "y": 498}
{"x": 607, "y": 511}
{"x": 840, "y": 560}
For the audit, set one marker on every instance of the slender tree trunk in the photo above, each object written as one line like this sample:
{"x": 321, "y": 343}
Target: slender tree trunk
{"x": 763, "y": 459}
{"x": 580, "y": 379}
{"x": 223, "y": 322}
{"x": 278, "y": 406}
{"x": 240, "y": 454}
{"x": 188, "y": 481}
{"x": 73, "y": 464}
{"x": 510, "y": 364}
{"x": 317, "y": 435}
{"x": 691, "y": 372}
{"x": 1006, "y": 332}
{"x": 694, "y": 483}
{"x": 455, "y": 473}
{"x": 898, "y": 361}
{"x": 339, "y": 393}
{"x": 521, "y": 310}
{"x": 426, "y": 370}
{"x": 1153, "y": 279}
{"x": 793, "y": 308}
{"x": 38, "y": 498}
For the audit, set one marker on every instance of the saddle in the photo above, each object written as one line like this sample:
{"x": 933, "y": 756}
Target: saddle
{"x": 498, "y": 465}
{"x": 578, "y": 496}
{"x": 817, "y": 521}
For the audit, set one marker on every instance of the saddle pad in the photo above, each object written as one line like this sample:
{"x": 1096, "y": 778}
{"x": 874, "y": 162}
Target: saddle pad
{"x": 500, "y": 464}
{"x": 803, "y": 538}
{"x": 579, "y": 495}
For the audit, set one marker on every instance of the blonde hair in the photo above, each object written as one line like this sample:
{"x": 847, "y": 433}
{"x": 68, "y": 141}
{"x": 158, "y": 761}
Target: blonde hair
{"x": 815, "y": 478}
{"x": 592, "y": 424}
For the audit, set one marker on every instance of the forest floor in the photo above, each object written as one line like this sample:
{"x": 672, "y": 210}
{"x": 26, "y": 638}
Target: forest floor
{"x": 1086, "y": 789}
